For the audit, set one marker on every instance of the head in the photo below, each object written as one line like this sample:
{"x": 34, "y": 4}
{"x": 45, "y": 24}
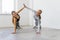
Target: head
{"x": 39, "y": 12}
{"x": 13, "y": 12}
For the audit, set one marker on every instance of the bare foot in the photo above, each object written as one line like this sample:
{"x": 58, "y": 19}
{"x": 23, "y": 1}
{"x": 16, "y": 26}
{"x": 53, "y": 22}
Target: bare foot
{"x": 14, "y": 33}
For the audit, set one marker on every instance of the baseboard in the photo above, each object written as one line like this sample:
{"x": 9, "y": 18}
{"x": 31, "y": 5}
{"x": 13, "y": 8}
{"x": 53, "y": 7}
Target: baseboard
{"x": 13, "y": 26}
{"x": 32, "y": 26}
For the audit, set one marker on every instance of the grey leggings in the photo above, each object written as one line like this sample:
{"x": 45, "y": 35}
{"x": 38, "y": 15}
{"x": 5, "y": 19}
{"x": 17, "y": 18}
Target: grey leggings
{"x": 38, "y": 22}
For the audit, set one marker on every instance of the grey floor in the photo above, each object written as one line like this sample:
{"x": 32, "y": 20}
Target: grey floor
{"x": 27, "y": 33}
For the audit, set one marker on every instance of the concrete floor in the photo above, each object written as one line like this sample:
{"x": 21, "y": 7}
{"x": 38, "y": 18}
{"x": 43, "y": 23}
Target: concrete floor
{"x": 27, "y": 33}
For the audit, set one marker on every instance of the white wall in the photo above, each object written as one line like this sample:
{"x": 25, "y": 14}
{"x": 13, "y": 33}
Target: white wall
{"x": 0, "y": 6}
{"x": 5, "y": 21}
{"x": 31, "y": 13}
{"x": 51, "y": 12}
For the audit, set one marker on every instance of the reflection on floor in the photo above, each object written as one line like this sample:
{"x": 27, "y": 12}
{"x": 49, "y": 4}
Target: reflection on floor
{"x": 27, "y": 33}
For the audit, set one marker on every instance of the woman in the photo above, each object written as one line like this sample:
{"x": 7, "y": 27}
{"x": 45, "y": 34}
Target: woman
{"x": 16, "y": 18}
{"x": 37, "y": 18}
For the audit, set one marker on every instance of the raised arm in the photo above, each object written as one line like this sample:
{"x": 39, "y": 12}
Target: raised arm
{"x": 20, "y": 10}
{"x": 29, "y": 8}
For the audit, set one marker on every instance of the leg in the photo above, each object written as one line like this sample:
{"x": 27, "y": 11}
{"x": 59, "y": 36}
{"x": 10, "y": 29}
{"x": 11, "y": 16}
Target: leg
{"x": 18, "y": 26}
{"x": 39, "y": 27}
{"x": 36, "y": 24}
{"x": 40, "y": 24}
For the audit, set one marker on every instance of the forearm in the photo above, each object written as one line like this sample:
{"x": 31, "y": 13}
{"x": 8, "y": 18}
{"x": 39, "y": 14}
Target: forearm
{"x": 30, "y": 9}
{"x": 20, "y": 10}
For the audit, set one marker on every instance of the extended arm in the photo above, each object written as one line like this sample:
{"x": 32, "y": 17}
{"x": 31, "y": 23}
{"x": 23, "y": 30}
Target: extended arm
{"x": 20, "y": 10}
{"x": 29, "y": 8}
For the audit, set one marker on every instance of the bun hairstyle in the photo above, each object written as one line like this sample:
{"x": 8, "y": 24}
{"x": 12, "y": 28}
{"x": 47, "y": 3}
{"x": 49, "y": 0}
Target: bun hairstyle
{"x": 13, "y": 12}
{"x": 40, "y": 11}
{"x": 40, "y": 15}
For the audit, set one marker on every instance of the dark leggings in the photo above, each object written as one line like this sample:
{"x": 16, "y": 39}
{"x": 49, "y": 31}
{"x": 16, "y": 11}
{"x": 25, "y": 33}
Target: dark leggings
{"x": 17, "y": 24}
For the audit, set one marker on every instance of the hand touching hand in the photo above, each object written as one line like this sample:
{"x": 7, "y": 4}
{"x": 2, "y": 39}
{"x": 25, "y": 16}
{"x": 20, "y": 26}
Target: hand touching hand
{"x": 25, "y": 6}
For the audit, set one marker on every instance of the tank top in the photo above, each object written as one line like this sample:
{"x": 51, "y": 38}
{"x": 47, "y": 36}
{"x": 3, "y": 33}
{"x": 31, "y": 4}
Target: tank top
{"x": 17, "y": 18}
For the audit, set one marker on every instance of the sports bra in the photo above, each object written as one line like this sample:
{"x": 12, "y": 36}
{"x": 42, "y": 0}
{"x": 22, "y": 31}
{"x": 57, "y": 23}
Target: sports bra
{"x": 18, "y": 19}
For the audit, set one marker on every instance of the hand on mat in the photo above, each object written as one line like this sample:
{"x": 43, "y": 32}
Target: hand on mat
{"x": 14, "y": 33}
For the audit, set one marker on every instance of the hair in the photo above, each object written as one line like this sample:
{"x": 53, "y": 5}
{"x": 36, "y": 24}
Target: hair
{"x": 40, "y": 15}
{"x": 13, "y": 12}
{"x": 40, "y": 11}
